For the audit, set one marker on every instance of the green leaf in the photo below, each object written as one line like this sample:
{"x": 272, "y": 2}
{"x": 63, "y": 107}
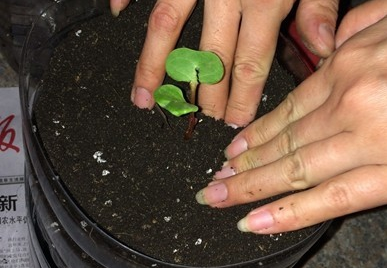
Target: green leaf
{"x": 187, "y": 65}
{"x": 171, "y": 98}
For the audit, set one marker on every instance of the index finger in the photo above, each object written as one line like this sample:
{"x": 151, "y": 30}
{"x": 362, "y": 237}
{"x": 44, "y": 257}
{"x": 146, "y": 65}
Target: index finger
{"x": 165, "y": 24}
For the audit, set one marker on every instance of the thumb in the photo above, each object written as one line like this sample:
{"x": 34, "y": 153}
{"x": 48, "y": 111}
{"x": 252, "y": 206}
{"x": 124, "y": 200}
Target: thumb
{"x": 316, "y": 23}
{"x": 360, "y": 18}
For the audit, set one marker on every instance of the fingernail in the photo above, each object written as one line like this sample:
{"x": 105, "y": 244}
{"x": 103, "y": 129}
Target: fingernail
{"x": 141, "y": 98}
{"x": 326, "y": 34}
{"x": 115, "y": 12}
{"x": 255, "y": 222}
{"x": 225, "y": 172}
{"x": 234, "y": 126}
{"x": 115, "y": 8}
{"x": 236, "y": 147}
{"x": 212, "y": 194}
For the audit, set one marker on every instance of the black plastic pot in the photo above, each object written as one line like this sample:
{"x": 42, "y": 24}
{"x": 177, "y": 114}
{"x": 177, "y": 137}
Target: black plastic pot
{"x": 16, "y": 19}
{"x": 61, "y": 234}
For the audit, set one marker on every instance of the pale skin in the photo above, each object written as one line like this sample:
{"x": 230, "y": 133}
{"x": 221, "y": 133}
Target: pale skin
{"x": 327, "y": 137}
{"x": 230, "y": 30}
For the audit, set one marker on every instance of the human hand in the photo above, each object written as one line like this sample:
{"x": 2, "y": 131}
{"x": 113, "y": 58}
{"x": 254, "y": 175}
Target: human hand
{"x": 243, "y": 33}
{"x": 328, "y": 137}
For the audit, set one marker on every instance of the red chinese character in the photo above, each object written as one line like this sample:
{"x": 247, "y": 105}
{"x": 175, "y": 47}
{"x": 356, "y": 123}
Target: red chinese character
{"x": 7, "y": 133}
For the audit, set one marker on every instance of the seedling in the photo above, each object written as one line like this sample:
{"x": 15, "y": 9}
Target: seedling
{"x": 194, "y": 67}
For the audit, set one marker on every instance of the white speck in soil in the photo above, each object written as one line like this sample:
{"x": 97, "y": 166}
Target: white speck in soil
{"x": 108, "y": 203}
{"x": 264, "y": 97}
{"x": 55, "y": 121}
{"x": 78, "y": 33}
{"x": 275, "y": 237}
{"x": 175, "y": 250}
{"x": 198, "y": 242}
{"x": 177, "y": 200}
{"x": 209, "y": 171}
{"x": 57, "y": 133}
{"x": 97, "y": 155}
{"x": 105, "y": 172}
{"x": 167, "y": 218}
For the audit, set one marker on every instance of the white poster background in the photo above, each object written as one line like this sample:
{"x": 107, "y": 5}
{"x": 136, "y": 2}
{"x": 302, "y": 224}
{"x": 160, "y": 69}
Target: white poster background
{"x": 14, "y": 249}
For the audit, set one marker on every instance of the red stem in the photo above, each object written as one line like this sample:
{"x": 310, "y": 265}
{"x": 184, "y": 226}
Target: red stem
{"x": 192, "y": 120}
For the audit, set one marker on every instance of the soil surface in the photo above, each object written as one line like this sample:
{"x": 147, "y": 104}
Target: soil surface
{"x": 129, "y": 171}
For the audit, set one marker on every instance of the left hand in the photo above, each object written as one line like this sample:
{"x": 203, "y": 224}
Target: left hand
{"x": 229, "y": 30}
{"x": 328, "y": 136}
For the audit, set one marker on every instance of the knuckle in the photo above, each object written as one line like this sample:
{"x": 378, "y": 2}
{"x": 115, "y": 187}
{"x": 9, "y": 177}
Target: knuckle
{"x": 165, "y": 18}
{"x": 287, "y": 109}
{"x": 147, "y": 72}
{"x": 212, "y": 109}
{"x": 293, "y": 172}
{"x": 356, "y": 100}
{"x": 259, "y": 134}
{"x": 249, "y": 161}
{"x": 336, "y": 197}
{"x": 242, "y": 115}
{"x": 348, "y": 100}
{"x": 249, "y": 72}
{"x": 285, "y": 142}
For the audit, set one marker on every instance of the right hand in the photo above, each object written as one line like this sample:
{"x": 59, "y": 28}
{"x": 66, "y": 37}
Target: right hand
{"x": 326, "y": 138}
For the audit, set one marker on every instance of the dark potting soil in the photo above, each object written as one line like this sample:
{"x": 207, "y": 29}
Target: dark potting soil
{"x": 135, "y": 176}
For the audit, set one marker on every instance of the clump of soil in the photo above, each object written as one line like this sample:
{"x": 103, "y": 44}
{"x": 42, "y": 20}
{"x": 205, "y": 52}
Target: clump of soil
{"x": 127, "y": 169}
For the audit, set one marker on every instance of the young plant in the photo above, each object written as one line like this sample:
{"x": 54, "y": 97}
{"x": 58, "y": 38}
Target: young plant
{"x": 194, "y": 67}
